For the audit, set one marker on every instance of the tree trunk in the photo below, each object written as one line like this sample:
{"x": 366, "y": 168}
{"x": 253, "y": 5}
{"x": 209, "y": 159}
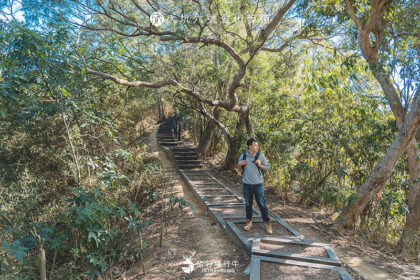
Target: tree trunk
{"x": 73, "y": 150}
{"x": 389, "y": 91}
{"x": 194, "y": 131}
{"x": 382, "y": 170}
{"x": 160, "y": 108}
{"x": 412, "y": 223}
{"x": 234, "y": 145}
{"x": 207, "y": 136}
{"x": 408, "y": 239}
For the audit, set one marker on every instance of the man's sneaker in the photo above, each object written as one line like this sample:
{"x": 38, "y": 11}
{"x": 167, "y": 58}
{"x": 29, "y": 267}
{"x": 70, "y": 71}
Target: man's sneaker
{"x": 248, "y": 225}
{"x": 268, "y": 228}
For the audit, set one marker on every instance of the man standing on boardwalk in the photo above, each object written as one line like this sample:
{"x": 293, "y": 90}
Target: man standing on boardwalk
{"x": 254, "y": 165}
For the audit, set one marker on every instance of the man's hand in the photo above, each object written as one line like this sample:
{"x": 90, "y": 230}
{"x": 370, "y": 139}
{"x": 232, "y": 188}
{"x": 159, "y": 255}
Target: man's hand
{"x": 258, "y": 163}
{"x": 242, "y": 162}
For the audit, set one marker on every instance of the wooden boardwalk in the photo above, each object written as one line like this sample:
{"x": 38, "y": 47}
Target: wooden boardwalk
{"x": 284, "y": 255}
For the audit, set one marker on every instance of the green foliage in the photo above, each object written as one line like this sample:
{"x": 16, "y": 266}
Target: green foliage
{"x": 50, "y": 107}
{"x": 16, "y": 249}
{"x": 33, "y": 64}
{"x": 90, "y": 231}
{"x": 174, "y": 200}
{"x": 397, "y": 51}
{"x": 328, "y": 126}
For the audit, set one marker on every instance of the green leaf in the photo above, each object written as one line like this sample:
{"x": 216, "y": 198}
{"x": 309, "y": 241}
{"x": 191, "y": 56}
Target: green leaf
{"x": 7, "y": 246}
{"x": 93, "y": 235}
{"x": 3, "y": 111}
{"x": 18, "y": 250}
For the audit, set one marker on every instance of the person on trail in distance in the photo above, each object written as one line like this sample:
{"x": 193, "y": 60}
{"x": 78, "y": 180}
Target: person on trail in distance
{"x": 254, "y": 165}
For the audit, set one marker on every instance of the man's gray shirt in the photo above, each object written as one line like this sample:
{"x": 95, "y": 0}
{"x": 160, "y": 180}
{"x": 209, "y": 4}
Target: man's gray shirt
{"x": 251, "y": 174}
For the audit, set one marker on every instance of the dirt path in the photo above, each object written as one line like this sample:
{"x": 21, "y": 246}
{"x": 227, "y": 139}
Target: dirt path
{"x": 216, "y": 256}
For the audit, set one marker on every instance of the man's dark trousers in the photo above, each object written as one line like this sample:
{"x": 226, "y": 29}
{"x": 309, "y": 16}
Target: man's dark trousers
{"x": 249, "y": 192}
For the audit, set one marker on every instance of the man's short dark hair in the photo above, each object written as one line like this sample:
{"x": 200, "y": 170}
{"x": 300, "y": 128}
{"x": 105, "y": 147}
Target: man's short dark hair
{"x": 250, "y": 141}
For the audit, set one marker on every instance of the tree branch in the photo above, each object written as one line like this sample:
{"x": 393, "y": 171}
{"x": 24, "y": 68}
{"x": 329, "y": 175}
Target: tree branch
{"x": 204, "y": 112}
{"x": 271, "y": 26}
{"x": 125, "y": 104}
{"x": 352, "y": 14}
{"x": 375, "y": 13}
{"x": 169, "y": 82}
{"x": 206, "y": 40}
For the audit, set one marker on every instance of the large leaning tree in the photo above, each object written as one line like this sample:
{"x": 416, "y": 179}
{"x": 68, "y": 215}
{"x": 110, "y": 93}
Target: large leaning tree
{"x": 386, "y": 35}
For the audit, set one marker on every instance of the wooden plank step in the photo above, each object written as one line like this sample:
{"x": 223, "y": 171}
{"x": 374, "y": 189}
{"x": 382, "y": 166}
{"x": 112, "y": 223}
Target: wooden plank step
{"x": 186, "y": 158}
{"x": 295, "y": 250}
{"x": 245, "y": 238}
{"x": 189, "y": 166}
{"x": 192, "y": 164}
{"x": 168, "y": 144}
{"x": 168, "y": 141}
{"x": 180, "y": 149}
{"x": 263, "y": 267}
{"x": 184, "y": 153}
{"x": 184, "y": 162}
